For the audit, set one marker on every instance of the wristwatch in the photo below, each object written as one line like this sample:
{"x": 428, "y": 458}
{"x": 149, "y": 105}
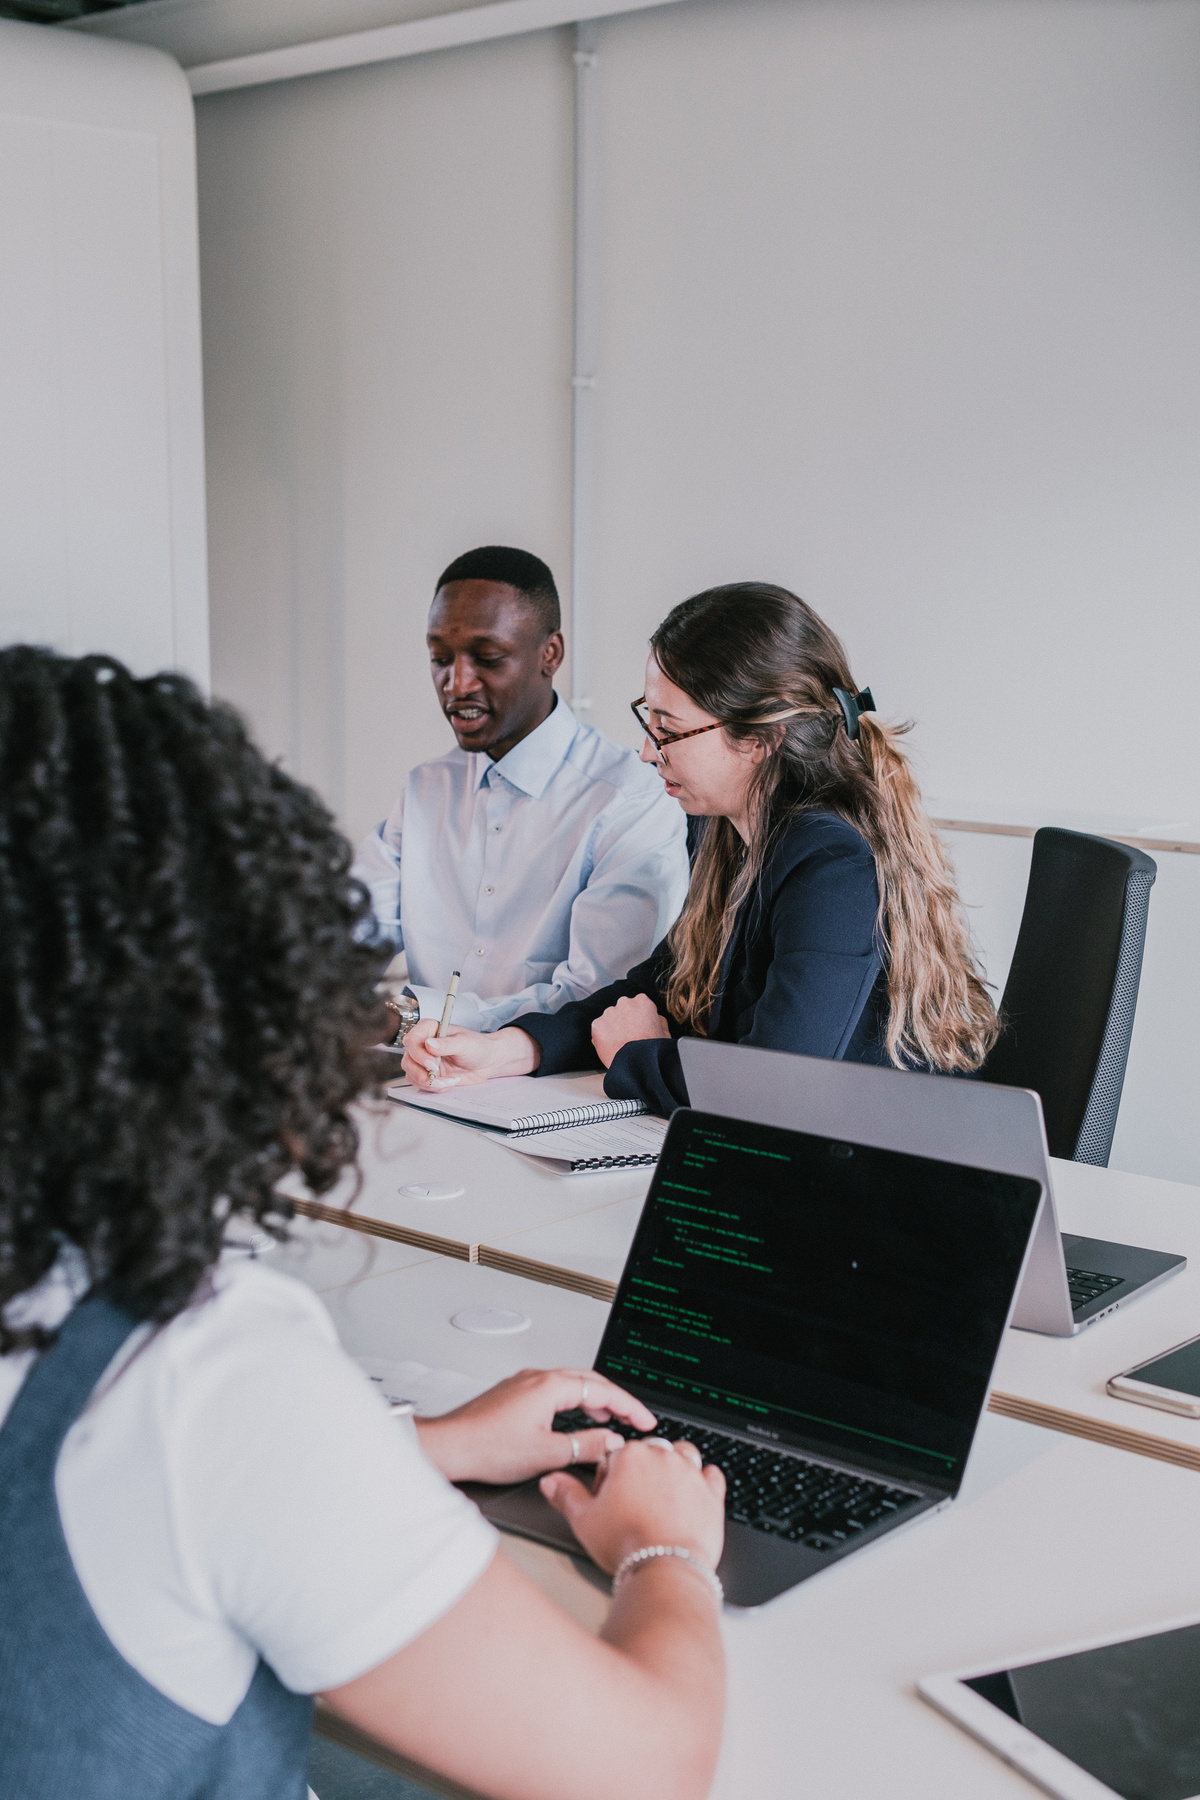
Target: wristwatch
{"x": 407, "y": 1009}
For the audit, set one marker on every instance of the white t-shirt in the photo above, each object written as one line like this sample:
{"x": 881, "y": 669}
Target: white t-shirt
{"x": 236, "y": 1488}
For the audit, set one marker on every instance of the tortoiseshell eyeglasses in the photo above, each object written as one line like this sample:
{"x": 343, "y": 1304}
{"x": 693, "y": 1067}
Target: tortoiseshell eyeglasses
{"x": 663, "y": 738}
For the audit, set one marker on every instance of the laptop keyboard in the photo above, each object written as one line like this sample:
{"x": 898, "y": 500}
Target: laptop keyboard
{"x": 1085, "y": 1286}
{"x": 799, "y": 1501}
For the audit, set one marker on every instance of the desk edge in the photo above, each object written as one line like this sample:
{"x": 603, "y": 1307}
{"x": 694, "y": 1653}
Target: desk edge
{"x": 398, "y": 1234}
{"x": 1098, "y": 1431}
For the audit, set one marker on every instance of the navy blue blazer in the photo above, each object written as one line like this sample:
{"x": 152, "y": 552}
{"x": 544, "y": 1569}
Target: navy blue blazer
{"x": 803, "y": 971}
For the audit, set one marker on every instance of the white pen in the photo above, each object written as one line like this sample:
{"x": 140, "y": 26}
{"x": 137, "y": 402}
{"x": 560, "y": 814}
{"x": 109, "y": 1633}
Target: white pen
{"x": 447, "y": 1011}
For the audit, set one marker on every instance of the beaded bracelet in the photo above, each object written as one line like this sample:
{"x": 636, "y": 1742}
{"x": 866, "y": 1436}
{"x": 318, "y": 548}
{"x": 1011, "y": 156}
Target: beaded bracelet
{"x": 638, "y": 1558}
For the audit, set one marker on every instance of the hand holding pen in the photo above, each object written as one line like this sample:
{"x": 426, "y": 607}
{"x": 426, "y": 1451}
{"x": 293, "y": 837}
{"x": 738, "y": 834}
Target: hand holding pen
{"x": 448, "y": 1010}
{"x": 471, "y": 1056}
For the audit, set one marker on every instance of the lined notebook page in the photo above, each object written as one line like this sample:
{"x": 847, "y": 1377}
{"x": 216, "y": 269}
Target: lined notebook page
{"x": 620, "y": 1143}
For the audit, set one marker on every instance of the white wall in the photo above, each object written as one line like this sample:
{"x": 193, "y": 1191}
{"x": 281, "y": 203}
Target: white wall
{"x": 386, "y": 283}
{"x": 898, "y": 308}
{"x": 102, "y": 528}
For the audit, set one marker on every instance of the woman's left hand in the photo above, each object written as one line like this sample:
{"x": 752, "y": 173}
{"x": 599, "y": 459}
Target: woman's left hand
{"x": 505, "y": 1435}
{"x": 626, "y": 1022}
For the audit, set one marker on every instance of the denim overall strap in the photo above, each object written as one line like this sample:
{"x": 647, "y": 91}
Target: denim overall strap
{"x": 78, "y": 1722}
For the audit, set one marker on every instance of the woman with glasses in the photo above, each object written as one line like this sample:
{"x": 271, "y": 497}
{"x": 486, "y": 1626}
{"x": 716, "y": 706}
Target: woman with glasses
{"x": 822, "y": 916}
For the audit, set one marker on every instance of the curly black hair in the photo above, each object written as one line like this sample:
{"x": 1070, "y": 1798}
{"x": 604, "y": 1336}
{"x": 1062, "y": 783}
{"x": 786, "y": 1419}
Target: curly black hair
{"x": 185, "y": 1007}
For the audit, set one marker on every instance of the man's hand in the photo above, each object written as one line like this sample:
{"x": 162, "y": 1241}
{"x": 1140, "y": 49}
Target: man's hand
{"x": 462, "y": 1058}
{"x": 506, "y": 1435}
{"x": 625, "y": 1023}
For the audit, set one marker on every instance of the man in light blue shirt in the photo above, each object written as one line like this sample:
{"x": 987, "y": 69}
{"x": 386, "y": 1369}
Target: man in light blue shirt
{"x": 539, "y": 858}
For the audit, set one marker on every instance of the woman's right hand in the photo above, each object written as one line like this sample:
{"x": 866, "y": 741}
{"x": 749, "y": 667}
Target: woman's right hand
{"x": 461, "y": 1058}
{"x": 648, "y": 1492}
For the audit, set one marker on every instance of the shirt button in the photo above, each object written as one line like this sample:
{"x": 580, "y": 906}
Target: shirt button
{"x": 489, "y": 890}
{"x": 495, "y": 828}
{"x": 479, "y": 953}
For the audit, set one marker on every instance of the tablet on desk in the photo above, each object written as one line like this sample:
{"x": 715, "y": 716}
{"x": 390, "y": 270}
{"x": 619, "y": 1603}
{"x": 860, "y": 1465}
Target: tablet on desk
{"x": 1113, "y": 1716}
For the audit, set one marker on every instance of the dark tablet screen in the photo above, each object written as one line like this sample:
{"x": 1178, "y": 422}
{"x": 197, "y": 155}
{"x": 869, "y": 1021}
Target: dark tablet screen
{"x": 1128, "y": 1714}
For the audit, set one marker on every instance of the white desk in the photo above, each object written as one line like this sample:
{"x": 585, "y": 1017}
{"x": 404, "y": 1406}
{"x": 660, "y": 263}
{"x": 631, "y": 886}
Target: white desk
{"x": 586, "y": 1252}
{"x": 326, "y": 1256}
{"x": 1052, "y": 1538}
{"x": 520, "y": 1217}
{"x": 405, "y": 1316}
{"x": 1060, "y": 1382}
{"x": 503, "y": 1192}
{"x": 822, "y": 1697}
{"x": 822, "y": 1701}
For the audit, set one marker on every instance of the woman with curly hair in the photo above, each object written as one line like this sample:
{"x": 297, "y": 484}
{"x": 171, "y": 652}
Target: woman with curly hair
{"x": 206, "y": 1513}
{"x": 822, "y": 916}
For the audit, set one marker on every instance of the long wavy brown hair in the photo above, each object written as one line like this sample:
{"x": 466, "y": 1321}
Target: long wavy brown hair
{"x": 749, "y": 651}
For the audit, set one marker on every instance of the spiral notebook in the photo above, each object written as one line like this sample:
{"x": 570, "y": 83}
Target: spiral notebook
{"x": 526, "y": 1102}
{"x": 567, "y": 1119}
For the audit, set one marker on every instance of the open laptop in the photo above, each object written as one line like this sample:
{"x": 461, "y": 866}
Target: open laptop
{"x": 1070, "y": 1281}
{"x": 821, "y": 1318}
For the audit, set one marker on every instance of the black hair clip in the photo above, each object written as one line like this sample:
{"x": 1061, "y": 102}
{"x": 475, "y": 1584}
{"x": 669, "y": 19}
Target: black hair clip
{"x": 852, "y": 705}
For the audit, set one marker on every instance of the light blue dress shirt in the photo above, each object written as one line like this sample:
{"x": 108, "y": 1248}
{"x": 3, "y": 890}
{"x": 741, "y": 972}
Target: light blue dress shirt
{"x": 542, "y": 876}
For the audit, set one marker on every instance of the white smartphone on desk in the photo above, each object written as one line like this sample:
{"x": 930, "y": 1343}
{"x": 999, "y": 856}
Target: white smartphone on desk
{"x": 1171, "y": 1381}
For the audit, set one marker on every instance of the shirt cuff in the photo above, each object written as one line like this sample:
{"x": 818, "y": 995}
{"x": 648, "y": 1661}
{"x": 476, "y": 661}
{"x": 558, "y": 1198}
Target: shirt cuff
{"x": 467, "y": 1011}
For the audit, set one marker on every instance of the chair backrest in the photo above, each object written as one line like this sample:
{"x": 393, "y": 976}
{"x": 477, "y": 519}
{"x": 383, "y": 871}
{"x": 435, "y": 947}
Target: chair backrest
{"x": 1072, "y": 989}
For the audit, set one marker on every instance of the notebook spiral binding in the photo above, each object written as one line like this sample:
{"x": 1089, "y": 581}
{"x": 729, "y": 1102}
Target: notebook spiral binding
{"x": 596, "y": 1114}
{"x": 579, "y": 1164}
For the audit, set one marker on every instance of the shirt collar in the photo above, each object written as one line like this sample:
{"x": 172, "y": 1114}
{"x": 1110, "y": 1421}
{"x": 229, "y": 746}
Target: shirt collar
{"x": 530, "y": 764}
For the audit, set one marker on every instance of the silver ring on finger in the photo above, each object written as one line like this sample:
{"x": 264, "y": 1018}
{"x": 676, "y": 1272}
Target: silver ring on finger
{"x": 574, "y": 1449}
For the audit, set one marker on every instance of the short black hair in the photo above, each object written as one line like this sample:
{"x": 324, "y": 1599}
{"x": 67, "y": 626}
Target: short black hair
{"x": 185, "y": 997}
{"x": 517, "y": 569}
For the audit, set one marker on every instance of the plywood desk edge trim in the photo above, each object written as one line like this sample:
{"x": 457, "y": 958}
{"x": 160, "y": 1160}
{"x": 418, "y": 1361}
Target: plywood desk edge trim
{"x": 1177, "y": 846}
{"x": 1098, "y": 1431}
{"x": 380, "y": 1228}
{"x": 597, "y": 1287}
{"x": 488, "y": 1256}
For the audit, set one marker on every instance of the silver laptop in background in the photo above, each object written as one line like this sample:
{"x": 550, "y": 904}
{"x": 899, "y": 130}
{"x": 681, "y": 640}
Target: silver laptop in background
{"x": 1069, "y": 1281}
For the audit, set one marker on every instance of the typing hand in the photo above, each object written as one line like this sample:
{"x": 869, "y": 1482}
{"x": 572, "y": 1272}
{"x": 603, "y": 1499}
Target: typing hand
{"x": 461, "y": 1058}
{"x": 625, "y": 1023}
{"x": 644, "y": 1493}
{"x": 506, "y": 1434}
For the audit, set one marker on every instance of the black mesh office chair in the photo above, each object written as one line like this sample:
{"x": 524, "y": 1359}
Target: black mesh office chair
{"x": 1072, "y": 989}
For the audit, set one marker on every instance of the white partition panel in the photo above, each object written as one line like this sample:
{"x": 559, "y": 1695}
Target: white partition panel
{"x": 102, "y": 543}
